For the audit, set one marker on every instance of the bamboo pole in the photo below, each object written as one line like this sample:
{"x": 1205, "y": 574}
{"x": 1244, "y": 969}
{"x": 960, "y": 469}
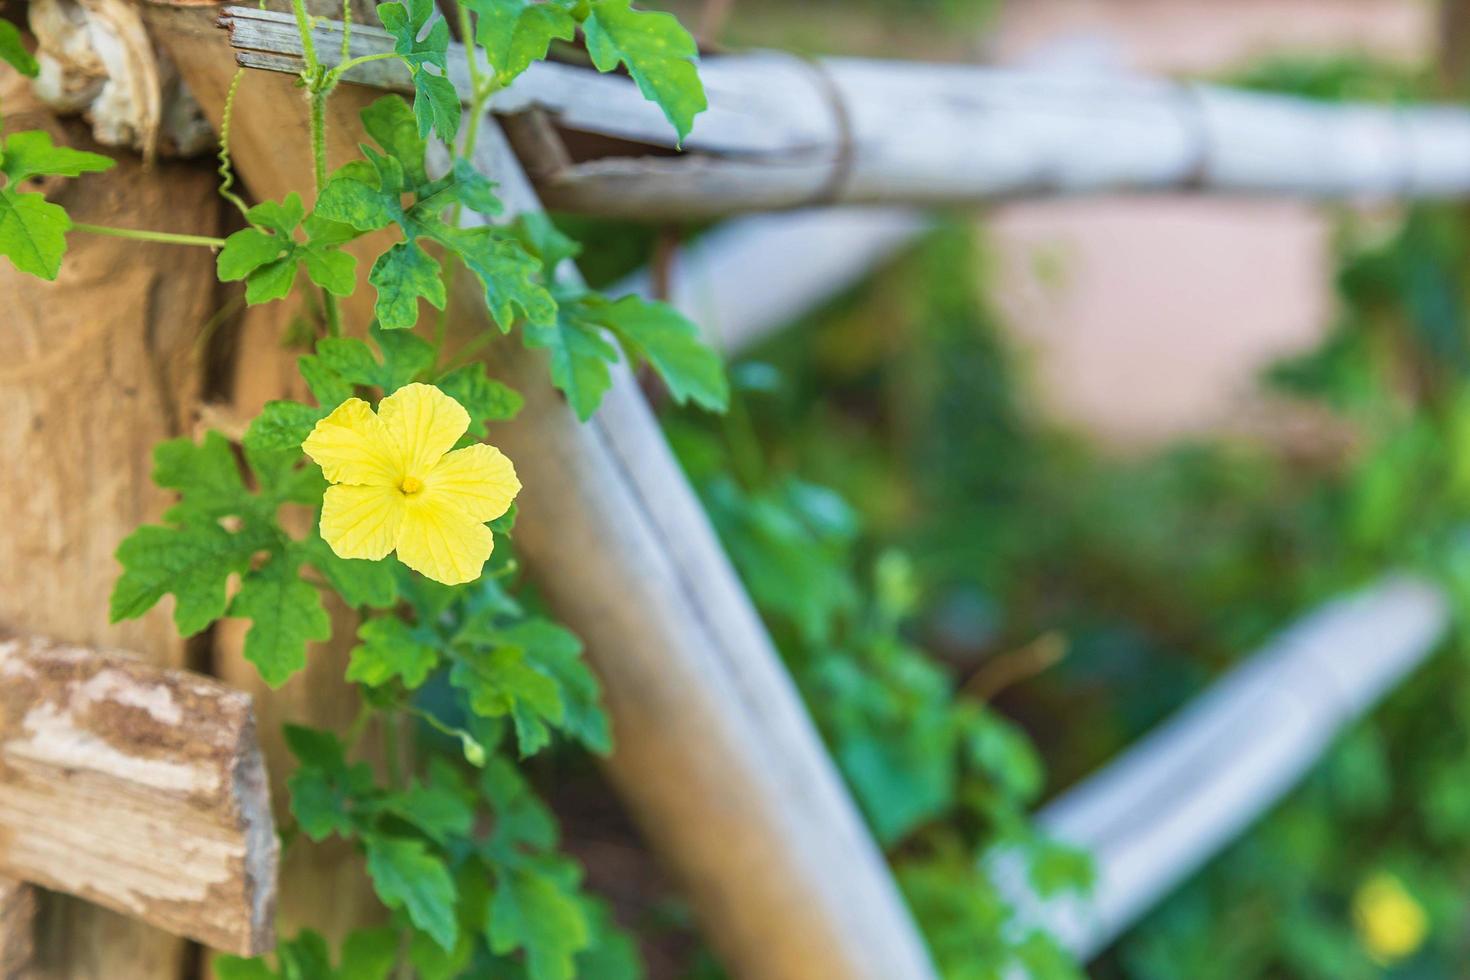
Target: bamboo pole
{"x": 784, "y": 132}
{"x": 1174, "y": 799}
{"x": 716, "y": 756}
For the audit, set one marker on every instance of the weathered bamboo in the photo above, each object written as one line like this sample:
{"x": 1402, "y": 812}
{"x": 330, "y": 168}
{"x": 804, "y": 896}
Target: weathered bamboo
{"x": 136, "y": 787}
{"x": 1174, "y": 799}
{"x": 17, "y": 929}
{"x": 753, "y": 275}
{"x": 715, "y": 753}
{"x": 97, "y": 368}
{"x": 786, "y": 132}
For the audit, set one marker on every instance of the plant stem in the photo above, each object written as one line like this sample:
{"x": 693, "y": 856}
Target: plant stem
{"x": 335, "y": 75}
{"x": 391, "y": 721}
{"x": 138, "y": 234}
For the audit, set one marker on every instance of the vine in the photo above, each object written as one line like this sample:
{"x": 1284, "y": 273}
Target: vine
{"x": 389, "y": 459}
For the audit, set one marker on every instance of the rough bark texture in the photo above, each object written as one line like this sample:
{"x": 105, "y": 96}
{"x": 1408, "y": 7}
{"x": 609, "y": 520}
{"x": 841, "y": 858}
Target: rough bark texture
{"x": 97, "y": 368}
{"x": 17, "y": 929}
{"x": 136, "y": 787}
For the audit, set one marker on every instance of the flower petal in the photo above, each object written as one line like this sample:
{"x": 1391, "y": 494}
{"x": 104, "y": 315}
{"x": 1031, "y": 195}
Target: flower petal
{"x": 362, "y": 522}
{"x": 352, "y": 446}
{"x": 424, "y": 423}
{"x": 438, "y": 540}
{"x": 478, "y": 479}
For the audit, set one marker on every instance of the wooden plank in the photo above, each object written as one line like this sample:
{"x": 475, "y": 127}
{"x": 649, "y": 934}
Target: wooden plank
{"x": 716, "y": 755}
{"x": 98, "y": 367}
{"x": 136, "y": 787}
{"x": 1177, "y": 797}
{"x": 17, "y": 929}
{"x": 786, "y": 132}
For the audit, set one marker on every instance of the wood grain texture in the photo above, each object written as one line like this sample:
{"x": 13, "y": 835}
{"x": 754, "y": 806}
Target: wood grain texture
{"x": 783, "y": 131}
{"x": 97, "y": 367}
{"x": 136, "y": 787}
{"x": 17, "y": 929}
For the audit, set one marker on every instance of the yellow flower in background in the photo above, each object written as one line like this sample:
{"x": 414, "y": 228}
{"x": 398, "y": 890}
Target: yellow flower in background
{"x": 396, "y": 485}
{"x": 1391, "y": 924}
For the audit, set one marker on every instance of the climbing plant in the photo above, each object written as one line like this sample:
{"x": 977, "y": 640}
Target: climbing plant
{"x": 413, "y": 514}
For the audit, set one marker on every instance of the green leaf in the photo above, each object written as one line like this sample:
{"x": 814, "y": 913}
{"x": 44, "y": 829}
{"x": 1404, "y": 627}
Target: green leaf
{"x": 389, "y": 649}
{"x": 325, "y": 790}
{"x": 31, "y": 153}
{"x": 205, "y": 474}
{"x": 507, "y": 272}
{"x": 430, "y": 962}
{"x": 474, "y": 189}
{"x": 391, "y": 124}
{"x": 369, "y": 954}
{"x": 13, "y": 51}
{"x": 328, "y": 387}
{"x": 580, "y": 356}
{"x": 281, "y": 427}
{"x": 539, "y": 914}
{"x": 515, "y": 33}
{"x": 353, "y": 198}
{"x": 350, "y": 359}
{"x": 32, "y": 233}
{"x": 558, "y": 653}
{"x": 435, "y": 105}
{"x": 271, "y": 282}
{"x": 193, "y": 563}
{"x": 239, "y": 968}
{"x": 402, "y": 276}
{"x": 286, "y": 614}
{"x": 406, "y": 876}
{"x": 662, "y": 336}
{"x": 485, "y": 399}
{"x": 522, "y": 821}
{"x": 542, "y": 238}
{"x": 444, "y": 809}
{"x": 247, "y": 250}
{"x": 658, "y": 53}
{"x": 500, "y": 682}
{"x": 405, "y": 357}
{"x": 358, "y": 581}
{"x": 281, "y": 217}
{"x": 612, "y": 953}
{"x": 331, "y": 268}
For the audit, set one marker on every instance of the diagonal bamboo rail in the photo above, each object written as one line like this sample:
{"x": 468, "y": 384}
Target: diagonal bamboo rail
{"x": 785, "y": 132}
{"x": 716, "y": 756}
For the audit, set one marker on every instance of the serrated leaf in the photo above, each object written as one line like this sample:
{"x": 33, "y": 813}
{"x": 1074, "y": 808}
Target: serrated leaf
{"x": 358, "y": 581}
{"x": 13, "y": 51}
{"x": 205, "y": 474}
{"x": 405, "y": 875}
{"x": 192, "y": 563}
{"x": 670, "y": 343}
{"x": 657, "y": 52}
{"x": 435, "y": 105}
{"x": 32, "y": 233}
{"x": 31, "y": 153}
{"x": 485, "y": 399}
{"x": 389, "y": 649}
{"x": 324, "y": 788}
{"x": 281, "y": 427}
{"x": 508, "y": 273}
{"x": 536, "y": 913}
{"x": 331, "y": 268}
{"x": 474, "y": 189}
{"x": 558, "y": 653}
{"x": 391, "y": 124}
{"x": 515, "y": 33}
{"x": 247, "y": 250}
{"x": 501, "y": 682}
{"x": 286, "y": 614}
{"x": 402, "y": 276}
{"x": 580, "y": 356}
{"x": 359, "y": 203}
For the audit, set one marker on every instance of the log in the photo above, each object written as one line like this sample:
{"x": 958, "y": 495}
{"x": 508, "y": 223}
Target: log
{"x": 98, "y": 367}
{"x": 1173, "y": 800}
{"x": 136, "y": 787}
{"x": 785, "y": 132}
{"x": 753, "y": 275}
{"x": 17, "y": 929}
{"x": 716, "y": 756}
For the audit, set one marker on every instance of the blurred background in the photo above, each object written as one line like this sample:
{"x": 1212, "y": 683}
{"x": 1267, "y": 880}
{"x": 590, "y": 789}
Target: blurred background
{"x": 1046, "y": 472}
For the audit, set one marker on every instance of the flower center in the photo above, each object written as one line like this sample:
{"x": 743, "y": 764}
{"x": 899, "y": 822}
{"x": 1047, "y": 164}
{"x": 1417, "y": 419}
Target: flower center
{"x": 411, "y": 485}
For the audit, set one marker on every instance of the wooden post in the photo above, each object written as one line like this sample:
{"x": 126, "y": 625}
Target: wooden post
{"x": 139, "y": 788}
{"x": 715, "y": 754}
{"x": 97, "y": 368}
{"x": 17, "y": 929}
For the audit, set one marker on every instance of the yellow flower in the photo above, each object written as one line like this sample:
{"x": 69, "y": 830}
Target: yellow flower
{"x": 1390, "y": 922}
{"x": 397, "y": 485}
